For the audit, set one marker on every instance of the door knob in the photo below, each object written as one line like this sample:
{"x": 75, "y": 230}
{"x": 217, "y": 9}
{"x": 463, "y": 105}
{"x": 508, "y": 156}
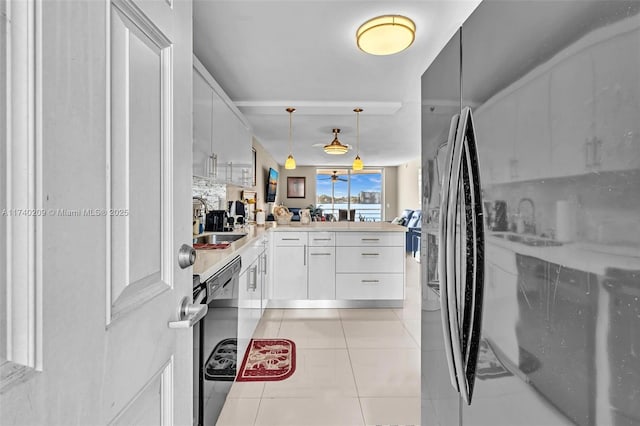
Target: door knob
{"x": 189, "y": 314}
{"x": 186, "y": 256}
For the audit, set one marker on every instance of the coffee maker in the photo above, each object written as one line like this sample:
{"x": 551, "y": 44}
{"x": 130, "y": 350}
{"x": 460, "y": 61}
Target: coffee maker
{"x": 216, "y": 221}
{"x": 237, "y": 212}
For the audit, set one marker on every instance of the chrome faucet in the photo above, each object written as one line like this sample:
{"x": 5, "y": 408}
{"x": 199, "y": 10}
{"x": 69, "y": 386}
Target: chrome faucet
{"x": 204, "y": 204}
{"x": 529, "y": 226}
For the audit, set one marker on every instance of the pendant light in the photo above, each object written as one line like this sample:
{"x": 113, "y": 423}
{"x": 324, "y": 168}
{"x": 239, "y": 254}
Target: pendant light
{"x": 357, "y": 162}
{"x": 335, "y": 147}
{"x": 290, "y": 164}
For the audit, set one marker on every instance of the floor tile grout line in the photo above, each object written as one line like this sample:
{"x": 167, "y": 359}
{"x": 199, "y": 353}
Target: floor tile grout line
{"x": 353, "y": 375}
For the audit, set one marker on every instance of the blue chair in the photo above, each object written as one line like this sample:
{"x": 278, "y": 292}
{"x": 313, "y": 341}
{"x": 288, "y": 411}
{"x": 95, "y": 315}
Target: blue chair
{"x": 414, "y": 231}
{"x": 296, "y": 214}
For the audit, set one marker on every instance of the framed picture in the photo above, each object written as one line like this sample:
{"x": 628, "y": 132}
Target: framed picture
{"x": 295, "y": 187}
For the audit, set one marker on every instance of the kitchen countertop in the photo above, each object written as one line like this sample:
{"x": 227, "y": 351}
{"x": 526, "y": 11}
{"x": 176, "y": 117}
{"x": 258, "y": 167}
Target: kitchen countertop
{"x": 588, "y": 257}
{"x": 210, "y": 261}
{"x": 341, "y": 227}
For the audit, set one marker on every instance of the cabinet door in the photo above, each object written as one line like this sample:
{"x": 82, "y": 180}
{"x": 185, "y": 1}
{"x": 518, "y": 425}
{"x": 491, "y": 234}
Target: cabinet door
{"x": 533, "y": 141}
{"x": 617, "y": 103}
{"x": 221, "y": 137}
{"x": 265, "y": 281}
{"x": 370, "y": 259}
{"x": 572, "y": 115}
{"x": 249, "y": 301}
{"x": 290, "y": 275}
{"x": 240, "y": 160}
{"x": 202, "y": 124}
{"x": 495, "y": 125}
{"x": 322, "y": 273}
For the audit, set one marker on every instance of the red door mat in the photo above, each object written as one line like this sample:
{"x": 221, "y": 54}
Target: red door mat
{"x": 268, "y": 360}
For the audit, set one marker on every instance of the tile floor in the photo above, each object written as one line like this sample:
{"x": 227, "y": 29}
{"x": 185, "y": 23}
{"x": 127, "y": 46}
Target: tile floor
{"x": 354, "y": 367}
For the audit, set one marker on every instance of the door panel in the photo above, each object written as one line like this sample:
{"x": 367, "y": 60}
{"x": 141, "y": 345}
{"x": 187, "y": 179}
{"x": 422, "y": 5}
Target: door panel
{"x": 113, "y": 107}
{"x": 138, "y": 180}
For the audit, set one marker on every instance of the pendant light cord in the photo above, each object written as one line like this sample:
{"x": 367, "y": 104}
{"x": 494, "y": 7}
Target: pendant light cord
{"x": 358, "y": 131}
{"x": 290, "y": 119}
{"x": 290, "y": 111}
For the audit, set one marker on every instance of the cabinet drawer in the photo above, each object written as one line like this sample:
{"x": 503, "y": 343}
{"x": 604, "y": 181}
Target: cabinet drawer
{"x": 370, "y": 239}
{"x": 369, "y": 286}
{"x": 370, "y": 259}
{"x": 290, "y": 238}
{"x": 322, "y": 239}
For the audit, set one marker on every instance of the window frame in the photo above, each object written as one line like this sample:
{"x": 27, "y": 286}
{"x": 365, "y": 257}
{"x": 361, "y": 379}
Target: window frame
{"x": 349, "y": 174}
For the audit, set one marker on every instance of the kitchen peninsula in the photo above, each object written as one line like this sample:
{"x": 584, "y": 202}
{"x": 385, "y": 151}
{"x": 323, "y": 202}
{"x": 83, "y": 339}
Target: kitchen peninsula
{"x": 323, "y": 264}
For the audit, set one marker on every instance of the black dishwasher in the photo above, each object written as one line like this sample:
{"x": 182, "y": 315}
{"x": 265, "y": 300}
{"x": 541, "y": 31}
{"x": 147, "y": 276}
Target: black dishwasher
{"x": 215, "y": 343}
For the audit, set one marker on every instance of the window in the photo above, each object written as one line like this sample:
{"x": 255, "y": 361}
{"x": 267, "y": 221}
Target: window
{"x": 344, "y": 194}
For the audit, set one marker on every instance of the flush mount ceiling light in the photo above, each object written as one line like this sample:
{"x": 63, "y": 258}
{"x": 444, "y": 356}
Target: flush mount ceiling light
{"x": 386, "y": 35}
{"x": 357, "y": 162}
{"x": 335, "y": 147}
{"x": 290, "y": 164}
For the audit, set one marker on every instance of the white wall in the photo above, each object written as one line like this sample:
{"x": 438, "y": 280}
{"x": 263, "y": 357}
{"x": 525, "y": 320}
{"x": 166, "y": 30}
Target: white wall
{"x": 390, "y": 193}
{"x": 309, "y": 173}
{"x": 409, "y": 194}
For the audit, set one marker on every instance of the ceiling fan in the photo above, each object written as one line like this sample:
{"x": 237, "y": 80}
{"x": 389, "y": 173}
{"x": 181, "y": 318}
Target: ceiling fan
{"x": 335, "y": 147}
{"x": 334, "y": 177}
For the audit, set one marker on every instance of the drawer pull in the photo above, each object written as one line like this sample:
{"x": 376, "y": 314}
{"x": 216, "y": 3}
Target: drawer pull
{"x": 370, "y": 239}
{"x": 371, "y": 254}
{"x": 369, "y": 281}
{"x": 322, "y": 239}
{"x": 320, "y": 254}
{"x": 291, "y": 239}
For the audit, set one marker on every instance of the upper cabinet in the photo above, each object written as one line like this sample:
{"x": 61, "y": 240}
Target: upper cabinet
{"x": 202, "y": 128}
{"x": 617, "y": 136}
{"x": 572, "y": 114}
{"x": 221, "y": 137}
{"x": 575, "y": 114}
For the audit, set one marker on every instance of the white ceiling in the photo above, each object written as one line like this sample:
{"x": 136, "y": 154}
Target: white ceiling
{"x": 269, "y": 55}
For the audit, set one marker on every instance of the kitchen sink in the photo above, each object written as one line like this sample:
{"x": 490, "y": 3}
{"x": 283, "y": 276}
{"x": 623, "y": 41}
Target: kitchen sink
{"x": 219, "y": 237}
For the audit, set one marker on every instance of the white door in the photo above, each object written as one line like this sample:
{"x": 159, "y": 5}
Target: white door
{"x": 113, "y": 172}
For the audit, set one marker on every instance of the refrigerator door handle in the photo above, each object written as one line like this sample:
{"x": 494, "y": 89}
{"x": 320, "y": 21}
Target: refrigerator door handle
{"x": 443, "y": 260}
{"x": 455, "y": 260}
{"x": 474, "y": 280}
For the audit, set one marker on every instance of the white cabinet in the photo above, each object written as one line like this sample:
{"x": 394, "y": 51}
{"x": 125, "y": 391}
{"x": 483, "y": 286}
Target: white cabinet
{"x": 252, "y": 289}
{"x": 322, "y": 273}
{"x": 369, "y": 286}
{"x": 318, "y": 265}
{"x": 222, "y": 140}
{"x": 532, "y": 136}
{"x": 202, "y": 126}
{"x": 617, "y": 103}
{"x": 369, "y": 259}
{"x": 571, "y": 112}
{"x": 370, "y": 266}
{"x": 495, "y": 125}
{"x": 290, "y": 266}
{"x": 370, "y": 239}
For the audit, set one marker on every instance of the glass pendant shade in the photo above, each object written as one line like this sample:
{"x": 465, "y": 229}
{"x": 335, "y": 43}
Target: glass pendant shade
{"x": 357, "y": 163}
{"x": 290, "y": 164}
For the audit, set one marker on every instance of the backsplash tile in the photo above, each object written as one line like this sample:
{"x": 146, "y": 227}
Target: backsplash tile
{"x": 215, "y": 194}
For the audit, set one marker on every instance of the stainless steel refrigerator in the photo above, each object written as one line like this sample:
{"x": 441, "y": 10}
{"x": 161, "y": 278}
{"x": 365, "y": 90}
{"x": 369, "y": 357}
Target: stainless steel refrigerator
{"x": 531, "y": 153}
